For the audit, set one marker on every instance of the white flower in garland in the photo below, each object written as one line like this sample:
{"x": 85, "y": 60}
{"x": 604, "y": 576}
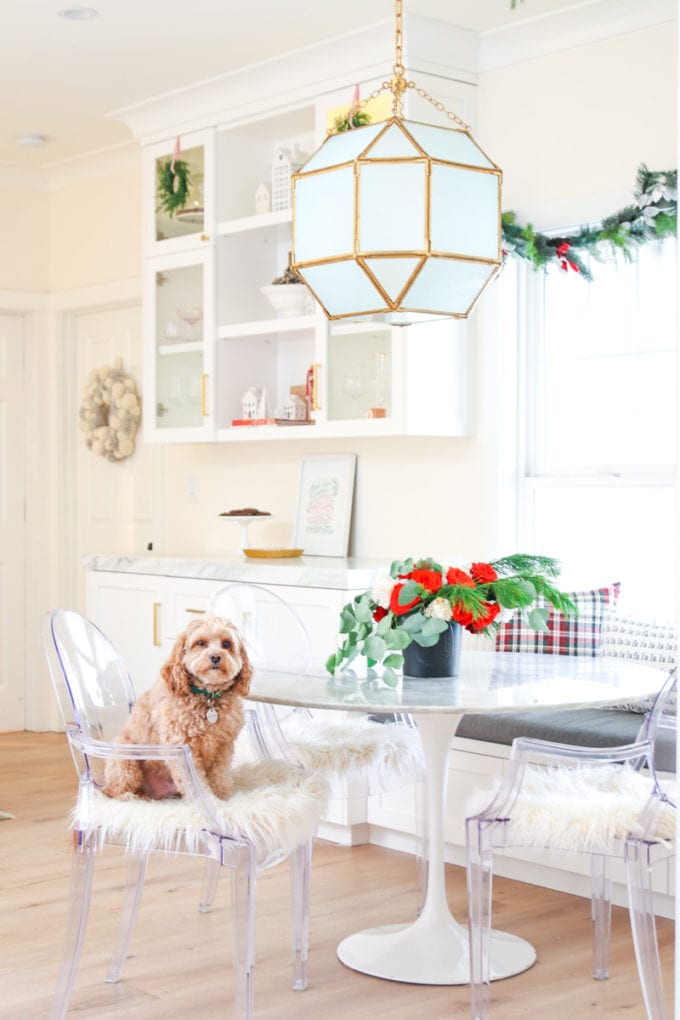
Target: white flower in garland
{"x": 382, "y": 590}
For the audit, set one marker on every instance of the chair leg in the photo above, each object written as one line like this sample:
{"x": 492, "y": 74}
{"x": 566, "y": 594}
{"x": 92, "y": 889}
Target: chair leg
{"x": 479, "y": 891}
{"x": 601, "y": 912}
{"x": 643, "y": 924}
{"x": 209, "y": 887}
{"x": 82, "y": 870}
{"x": 136, "y": 872}
{"x": 300, "y": 870}
{"x": 241, "y": 860}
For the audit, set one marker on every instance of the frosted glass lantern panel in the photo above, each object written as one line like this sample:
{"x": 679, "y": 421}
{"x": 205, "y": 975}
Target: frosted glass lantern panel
{"x": 394, "y": 144}
{"x": 190, "y": 217}
{"x": 343, "y": 288}
{"x": 343, "y": 147}
{"x": 393, "y": 274}
{"x": 392, "y": 207}
{"x": 447, "y": 285}
{"x": 449, "y": 145}
{"x": 464, "y": 212}
{"x": 324, "y": 215}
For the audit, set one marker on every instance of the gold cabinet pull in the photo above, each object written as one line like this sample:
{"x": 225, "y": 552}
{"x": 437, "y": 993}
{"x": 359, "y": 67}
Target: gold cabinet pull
{"x": 200, "y": 612}
{"x": 205, "y": 237}
{"x": 316, "y": 406}
{"x": 156, "y": 628}
{"x": 204, "y": 399}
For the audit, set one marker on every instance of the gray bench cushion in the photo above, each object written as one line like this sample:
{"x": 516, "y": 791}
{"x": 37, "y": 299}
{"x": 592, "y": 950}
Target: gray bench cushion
{"x": 589, "y": 727}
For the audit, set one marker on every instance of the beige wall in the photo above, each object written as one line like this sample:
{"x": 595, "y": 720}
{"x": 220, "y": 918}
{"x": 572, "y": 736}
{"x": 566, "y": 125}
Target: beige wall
{"x": 96, "y": 231}
{"x": 562, "y": 127}
{"x": 580, "y": 122}
{"x": 25, "y": 233}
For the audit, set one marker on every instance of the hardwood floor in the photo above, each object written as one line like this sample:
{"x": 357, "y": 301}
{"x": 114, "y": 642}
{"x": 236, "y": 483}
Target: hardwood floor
{"x": 180, "y": 962}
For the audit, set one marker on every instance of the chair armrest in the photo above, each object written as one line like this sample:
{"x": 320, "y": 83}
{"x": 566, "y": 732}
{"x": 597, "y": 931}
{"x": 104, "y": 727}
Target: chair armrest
{"x": 179, "y": 754}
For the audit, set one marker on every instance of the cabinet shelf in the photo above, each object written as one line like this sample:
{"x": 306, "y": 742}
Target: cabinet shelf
{"x": 189, "y": 347}
{"x": 264, "y": 221}
{"x": 263, "y": 327}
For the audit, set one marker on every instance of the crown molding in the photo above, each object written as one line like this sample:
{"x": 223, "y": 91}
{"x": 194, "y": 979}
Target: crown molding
{"x": 91, "y": 165}
{"x": 588, "y": 22}
{"x": 302, "y": 75}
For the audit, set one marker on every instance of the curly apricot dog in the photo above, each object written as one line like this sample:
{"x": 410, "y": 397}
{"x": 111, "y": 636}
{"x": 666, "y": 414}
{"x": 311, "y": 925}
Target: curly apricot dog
{"x": 196, "y": 701}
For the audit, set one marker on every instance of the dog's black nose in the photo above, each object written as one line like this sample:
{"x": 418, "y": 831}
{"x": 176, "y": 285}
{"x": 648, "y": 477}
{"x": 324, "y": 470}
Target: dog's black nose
{"x": 216, "y": 659}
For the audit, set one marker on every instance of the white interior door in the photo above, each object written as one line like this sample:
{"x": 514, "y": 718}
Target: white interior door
{"x": 12, "y": 525}
{"x": 115, "y": 500}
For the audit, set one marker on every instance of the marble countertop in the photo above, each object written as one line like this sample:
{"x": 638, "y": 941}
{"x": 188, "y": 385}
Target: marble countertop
{"x": 302, "y": 571}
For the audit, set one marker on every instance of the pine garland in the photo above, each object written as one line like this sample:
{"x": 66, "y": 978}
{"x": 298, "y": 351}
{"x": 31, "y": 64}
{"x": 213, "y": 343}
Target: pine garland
{"x": 651, "y": 217}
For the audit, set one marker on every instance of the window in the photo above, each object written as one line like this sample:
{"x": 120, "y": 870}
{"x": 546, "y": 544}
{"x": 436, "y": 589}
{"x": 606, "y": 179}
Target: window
{"x": 601, "y": 424}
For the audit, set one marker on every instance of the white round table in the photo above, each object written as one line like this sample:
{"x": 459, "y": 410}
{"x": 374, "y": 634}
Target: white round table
{"x": 434, "y": 948}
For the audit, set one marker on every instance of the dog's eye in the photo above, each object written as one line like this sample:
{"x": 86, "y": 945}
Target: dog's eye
{"x": 201, "y": 642}
{"x": 226, "y": 643}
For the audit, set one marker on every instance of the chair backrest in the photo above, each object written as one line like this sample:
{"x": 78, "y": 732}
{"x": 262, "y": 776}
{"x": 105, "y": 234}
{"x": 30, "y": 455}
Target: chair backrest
{"x": 660, "y": 727}
{"x": 90, "y": 679}
{"x": 274, "y": 634}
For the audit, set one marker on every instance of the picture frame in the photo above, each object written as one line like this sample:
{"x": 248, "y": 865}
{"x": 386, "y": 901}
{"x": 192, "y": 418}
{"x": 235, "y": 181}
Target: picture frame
{"x": 324, "y": 508}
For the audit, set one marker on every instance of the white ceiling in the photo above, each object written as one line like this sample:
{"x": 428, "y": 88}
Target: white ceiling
{"x": 61, "y": 78}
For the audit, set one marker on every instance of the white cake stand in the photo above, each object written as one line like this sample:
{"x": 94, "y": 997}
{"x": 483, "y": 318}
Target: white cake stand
{"x": 245, "y": 520}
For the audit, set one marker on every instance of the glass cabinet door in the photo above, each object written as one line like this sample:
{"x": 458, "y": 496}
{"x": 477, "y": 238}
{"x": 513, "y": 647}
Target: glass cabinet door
{"x": 179, "y": 193}
{"x": 180, "y": 323}
{"x": 359, "y": 370}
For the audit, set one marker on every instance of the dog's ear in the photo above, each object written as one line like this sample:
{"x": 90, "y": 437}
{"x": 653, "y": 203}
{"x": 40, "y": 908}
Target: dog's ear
{"x": 242, "y": 684}
{"x": 173, "y": 672}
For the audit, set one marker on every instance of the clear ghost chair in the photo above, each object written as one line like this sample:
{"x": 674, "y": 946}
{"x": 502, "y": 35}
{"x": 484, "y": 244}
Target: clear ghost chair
{"x": 369, "y": 756}
{"x": 574, "y": 799}
{"x": 241, "y": 834}
{"x": 654, "y": 834}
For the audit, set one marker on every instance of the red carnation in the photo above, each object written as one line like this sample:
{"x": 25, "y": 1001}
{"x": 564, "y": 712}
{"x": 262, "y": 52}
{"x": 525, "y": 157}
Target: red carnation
{"x": 456, "y": 576}
{"x": 394, "y": 602}
{"x": 483, "y": 573}
{"x": 492, "y": 609}
{"x": 379, "y": 613}
{"x": 461, "y": 615}
{"x": 431, "y": 580}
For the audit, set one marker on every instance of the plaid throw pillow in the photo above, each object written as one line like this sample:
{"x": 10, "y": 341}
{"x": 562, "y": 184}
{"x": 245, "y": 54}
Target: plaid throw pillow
{"x": 566, "y": 635}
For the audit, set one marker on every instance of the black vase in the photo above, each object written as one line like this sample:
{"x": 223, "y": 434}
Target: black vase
{"x": 441, "y": 660}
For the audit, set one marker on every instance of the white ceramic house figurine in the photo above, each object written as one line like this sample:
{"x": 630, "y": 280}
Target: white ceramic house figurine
{"x": 282, "y": 168}
{"x": 294, "y": 408}
{"x": 254, "y": 403}
{"x": 263, "y": 199}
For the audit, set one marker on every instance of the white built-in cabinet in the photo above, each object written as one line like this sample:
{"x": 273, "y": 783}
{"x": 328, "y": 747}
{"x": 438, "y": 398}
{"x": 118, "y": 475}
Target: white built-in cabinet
{"x": 216, "y": 254}
{"x": 143, "y": 614}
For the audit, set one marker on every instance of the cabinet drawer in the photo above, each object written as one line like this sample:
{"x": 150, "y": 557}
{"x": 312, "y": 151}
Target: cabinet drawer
{"x": 185, "y": 600}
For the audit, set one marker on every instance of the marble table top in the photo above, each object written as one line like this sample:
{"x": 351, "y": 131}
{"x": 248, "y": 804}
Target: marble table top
{"x": 489, "y": 682}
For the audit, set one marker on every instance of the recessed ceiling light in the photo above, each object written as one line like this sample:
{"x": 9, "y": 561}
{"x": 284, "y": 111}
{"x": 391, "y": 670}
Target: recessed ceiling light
{"x": 33, "y": 140}
{"x": 78, "y": 13}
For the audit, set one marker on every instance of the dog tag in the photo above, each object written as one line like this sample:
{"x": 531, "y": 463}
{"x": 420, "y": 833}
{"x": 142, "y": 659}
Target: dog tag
{"x": 211, "y": 715}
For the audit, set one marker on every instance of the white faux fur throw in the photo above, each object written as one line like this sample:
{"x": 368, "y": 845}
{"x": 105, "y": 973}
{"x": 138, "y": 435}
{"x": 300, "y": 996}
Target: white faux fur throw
{"x": 577, "y": 809}
{"x": 274, "y": 805}
{"x": 356, "y": 748}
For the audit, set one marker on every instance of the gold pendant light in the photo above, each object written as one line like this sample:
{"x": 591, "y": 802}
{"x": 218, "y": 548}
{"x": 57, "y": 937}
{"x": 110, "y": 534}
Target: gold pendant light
{"x": 398, "y": 220}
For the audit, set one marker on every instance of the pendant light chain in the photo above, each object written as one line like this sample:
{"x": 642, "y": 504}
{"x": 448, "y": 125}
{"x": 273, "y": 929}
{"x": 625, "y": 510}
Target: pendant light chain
{"x": 399, "y": 84}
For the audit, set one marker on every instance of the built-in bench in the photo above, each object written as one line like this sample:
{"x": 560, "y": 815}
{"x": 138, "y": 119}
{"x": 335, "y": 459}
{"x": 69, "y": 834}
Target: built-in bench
{"x": 590, "y": 727}
{"x": 622, "y": 637}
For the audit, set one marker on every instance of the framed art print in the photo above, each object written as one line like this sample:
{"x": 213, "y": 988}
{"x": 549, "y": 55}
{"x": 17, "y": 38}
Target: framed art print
{"x": 324, "y": 509}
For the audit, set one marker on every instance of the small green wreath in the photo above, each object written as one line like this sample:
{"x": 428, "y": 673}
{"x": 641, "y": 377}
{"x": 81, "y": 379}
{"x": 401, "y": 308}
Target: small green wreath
{"x": 173, "y": 185}
{"x": 360, "y": 119}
